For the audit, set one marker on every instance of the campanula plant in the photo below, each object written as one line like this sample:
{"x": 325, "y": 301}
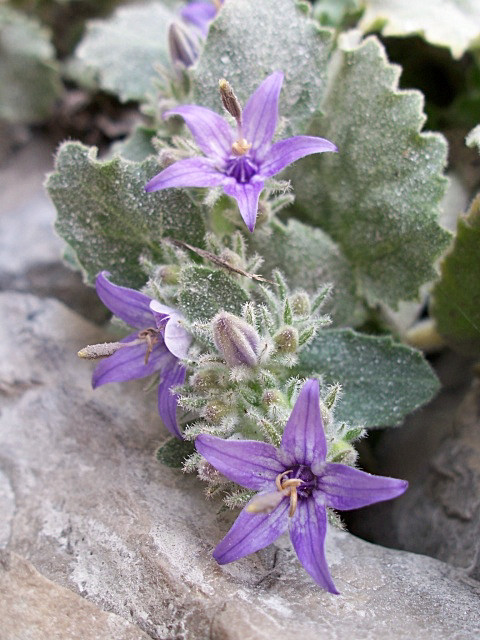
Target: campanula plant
{"x": 239, "y": 160}
{"x": 296, "y": 485}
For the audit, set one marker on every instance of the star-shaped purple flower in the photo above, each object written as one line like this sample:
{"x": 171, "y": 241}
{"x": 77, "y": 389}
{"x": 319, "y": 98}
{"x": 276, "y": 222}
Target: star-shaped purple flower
{"x": 201, "y": 13}
{"x": 156, "y": 348}
{"x": 239, "y": 161}
{"x": 295, "y": 484}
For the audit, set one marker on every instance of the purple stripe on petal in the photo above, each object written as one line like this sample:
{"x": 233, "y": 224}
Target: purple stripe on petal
{"x": 249, "y": 463}
{"x": 200, "y": 14}
{"x": 308, "y": 528}
{"x": 211, "y": 132}
{"x": 128, "y": 363}
{"x": 304, "y": 440}
{"x": 251, "y": 532}
{"x": 131, "y": 306}
{"x": 191, "y": 172}
{"x": 173, "y": 374}
{"x": 285, "y": 152}
{"x": 246, "y": 195}
{"x": 345, "y": 488}
{"x": 261, "y": 113}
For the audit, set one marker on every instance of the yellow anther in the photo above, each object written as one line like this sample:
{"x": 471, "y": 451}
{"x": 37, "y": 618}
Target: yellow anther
{"x": 241, "y": 147}
{"x": 292, "y": 482}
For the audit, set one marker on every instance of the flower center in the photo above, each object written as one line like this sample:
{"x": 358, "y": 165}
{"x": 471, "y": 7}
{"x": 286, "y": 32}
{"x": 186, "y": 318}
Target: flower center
{"x": 289, "y": 486}
{"x": 241, "y": 168}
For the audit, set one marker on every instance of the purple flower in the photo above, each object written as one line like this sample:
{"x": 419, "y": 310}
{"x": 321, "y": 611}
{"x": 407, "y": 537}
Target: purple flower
{"x": 295, "y": 485}
{"x": 201, "y": 14}
{"x": 156, "y": 348}
{"x": 240, "y": 161}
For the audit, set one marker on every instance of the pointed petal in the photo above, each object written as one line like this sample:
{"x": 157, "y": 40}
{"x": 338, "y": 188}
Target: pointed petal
{"x": 346, "y": 488}
{"x": 131, "y": 306}
{"x": 285, "y": 152}
{"x": 304, "y": 440}
{"x": 246, "y": 195}
{"x": 173, "y": 374}
{"x": 191, "y": 172}
{"x": 211, "y": 132}
{"x": 249, "y": 463}
{"x": 129, "y": 363}
{"x": 251, "y": 532}
{"x": 261, "y": 113}
{"x": 200, "y": 14}
{"x": 176, "y": 337}
{"x": 308, "y": 528}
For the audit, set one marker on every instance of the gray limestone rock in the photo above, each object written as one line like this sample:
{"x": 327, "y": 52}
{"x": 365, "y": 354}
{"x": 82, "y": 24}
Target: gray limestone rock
{"x": 97, "y": 514}
{"x": 34, "y": 608}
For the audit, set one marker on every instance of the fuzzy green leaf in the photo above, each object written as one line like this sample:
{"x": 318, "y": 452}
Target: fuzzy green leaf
{"x": 309, "y": 258}
{"x": 382, "y": 381}
{"x": 451, "y": 23}
{"x": 120, "y": 53}
{"x": 173, "y": 452}
{"x": 204, "y": 292}
{"x": 251, "y": 39}
{"x": 108, "y": 219}
{"x": 29, "y": 75}
{"x": 378, "y": 197}
{"x": 456, "y": 296}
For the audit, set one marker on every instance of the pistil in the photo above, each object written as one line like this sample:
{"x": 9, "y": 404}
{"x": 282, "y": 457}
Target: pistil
{"x": 106, "y": 349}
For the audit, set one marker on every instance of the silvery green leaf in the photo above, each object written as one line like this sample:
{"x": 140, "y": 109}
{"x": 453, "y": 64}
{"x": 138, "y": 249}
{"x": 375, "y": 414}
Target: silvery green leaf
{"x": 381, "y": 381}
{"x": 107, "y": 218}
{"x": 378, "y": 198}
{"x": 450, "y": 23}
{"x": 204, "y": 292}
{"x": 174, "y": 452}
{"x": 308, "y": 257}
{"x": 473, "y": 138}
{"x": 456, "y": 296}
{"x": 29, "y": 75}
{"x": 120, "y": 53}
{"x": 251, "y": 39}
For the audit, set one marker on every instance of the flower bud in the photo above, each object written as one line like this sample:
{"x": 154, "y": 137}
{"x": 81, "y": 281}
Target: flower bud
{"x": 286, "y": 340}
{"x": 300, "y": 303}
{"x": 272, "y": 396}
{"x": 343, "y": 452}
{"x": 214, "y": 411}
{"x": 183, "y": 45}
{"x": 237, "y": 341}
{"x": 205, "y": 379}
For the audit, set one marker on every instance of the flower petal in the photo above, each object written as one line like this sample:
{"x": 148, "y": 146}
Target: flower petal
{"x": 250, "y": 463}
{"x": 285, "y": 152}
{"x": 308, "y": 528}
{"x": 131, "y": 306}
{"x": 347, "y": 488}
{"x": 200, "y": 14}
{"x": 191, "y": 172}
{"x": 177, "y": 338}
{"x": 211, "y": 132}
{"x": 251, "y": 532}
{"x": 246, "y": 194}
{"x": 261, "y": 113}
{"x": 303, "y": 440}
{"x": 128, "y": 363}
{"x": 173, "y": 374}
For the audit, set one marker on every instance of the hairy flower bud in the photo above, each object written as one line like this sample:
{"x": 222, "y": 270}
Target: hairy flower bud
{"x": 205, "y": 379}
{"x": 168, "y": 273}
{"x": 237, "y": 341}
{"x": 272, "y": 396}
{"x": 183, "y": 45}
{"x": 286, "y": 340}
{"x": 300, "y": 303}
{"x": 214, "y": 411}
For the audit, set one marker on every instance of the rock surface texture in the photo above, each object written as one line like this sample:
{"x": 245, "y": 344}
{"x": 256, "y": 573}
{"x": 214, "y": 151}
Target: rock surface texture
{"x": 128, "y": 542}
